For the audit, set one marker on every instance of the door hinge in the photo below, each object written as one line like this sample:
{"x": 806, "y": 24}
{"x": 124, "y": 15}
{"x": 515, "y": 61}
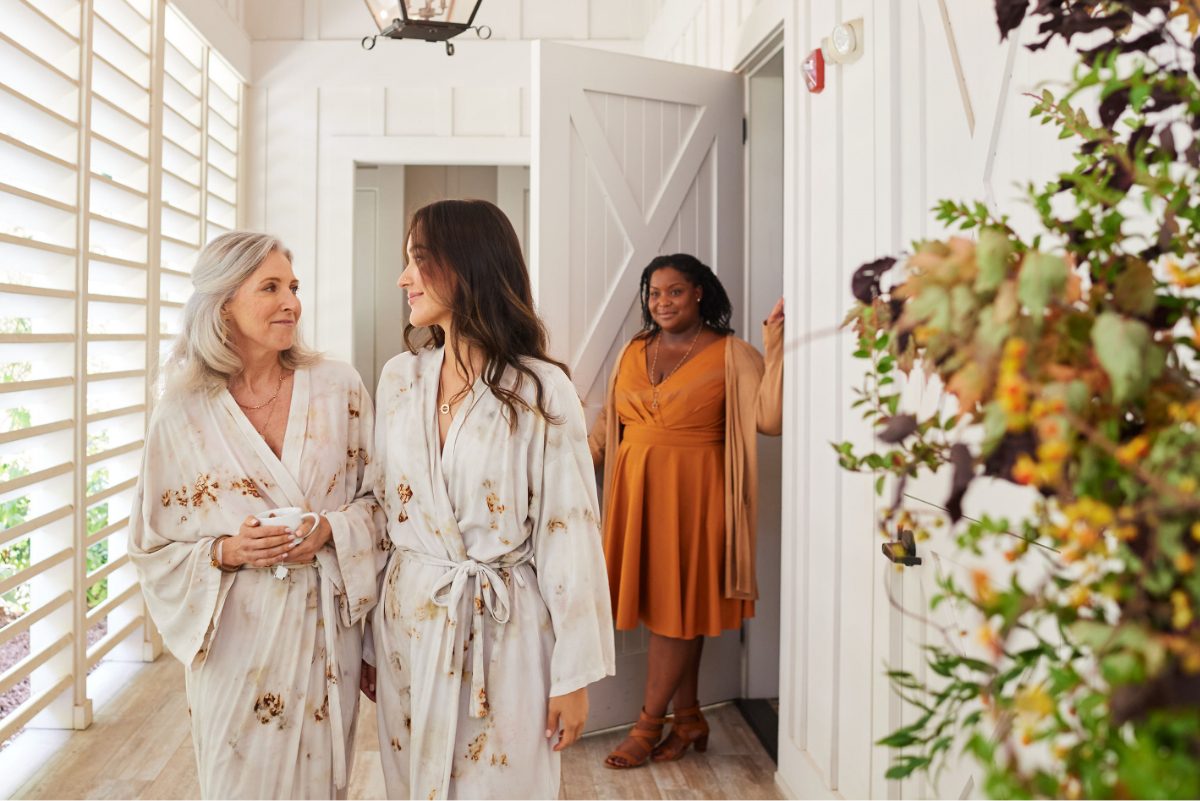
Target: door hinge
{"x": 745, "y": 131}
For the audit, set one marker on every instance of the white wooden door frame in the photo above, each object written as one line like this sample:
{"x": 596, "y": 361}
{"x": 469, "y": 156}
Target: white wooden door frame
{"x": 338, "y": 155}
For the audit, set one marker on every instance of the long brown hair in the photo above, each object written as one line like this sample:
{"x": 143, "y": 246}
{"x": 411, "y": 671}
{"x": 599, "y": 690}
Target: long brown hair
{"x": 478, "y": 270}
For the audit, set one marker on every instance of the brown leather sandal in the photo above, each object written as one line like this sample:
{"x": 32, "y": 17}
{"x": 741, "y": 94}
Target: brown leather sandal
{"x": 688, "y": 727}
{"x": 635, "y": 749}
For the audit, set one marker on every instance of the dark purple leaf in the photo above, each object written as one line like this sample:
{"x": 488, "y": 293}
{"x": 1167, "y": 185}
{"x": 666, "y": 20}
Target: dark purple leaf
{"x": 898, "y": 429}
{"x": 865, "y": 283}
{"x": 1172, "y": 690}
{"x": 1139, "y": 138}
{"x": 1166, "y": 142}
{"x": 1170, "y": 228}
{"x": 1009, "y": 15}
{"x": 1000, "y": 461}
{"x": 1121, "y": 178}
{"x": 1196, "y": 54}
{"x": 964, "y": 473}
{"x": 1113, "y": 106}
{"x": 1193, "y": 154}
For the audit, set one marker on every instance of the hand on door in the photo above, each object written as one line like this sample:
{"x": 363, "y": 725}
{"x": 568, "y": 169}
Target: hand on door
{"x": 776, "y": 315}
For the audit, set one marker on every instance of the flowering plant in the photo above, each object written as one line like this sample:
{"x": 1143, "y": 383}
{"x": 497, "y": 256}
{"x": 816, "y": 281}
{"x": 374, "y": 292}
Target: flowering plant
{"x": 1072, "y": 358}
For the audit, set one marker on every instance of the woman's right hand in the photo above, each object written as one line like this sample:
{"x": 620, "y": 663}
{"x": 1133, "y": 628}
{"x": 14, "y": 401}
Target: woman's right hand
{"x": 256, "y": 545}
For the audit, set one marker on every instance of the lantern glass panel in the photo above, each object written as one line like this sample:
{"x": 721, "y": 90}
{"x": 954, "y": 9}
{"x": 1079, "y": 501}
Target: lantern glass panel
{"x": 384, "y": 11}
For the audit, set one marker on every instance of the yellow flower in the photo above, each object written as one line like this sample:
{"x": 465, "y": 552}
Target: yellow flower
{"x": 1025, "y": 470}
{"x": 1133, "y": 451}
{"x": 1187, "y": 485}
{"x": 1181, "y": 616}
{"x": 1184, "y": 562}
{"x": 987, "y": 638}
{"x": 1034, "y": 702}
{"x": 1183, "y": 277}
{"x": 1079, "y": 596}
{"x": 1015, "y": 349}
{"x": 1196, "y": 531}
{"x": 1053, "y": 450}
{"x": 983, "y": 587}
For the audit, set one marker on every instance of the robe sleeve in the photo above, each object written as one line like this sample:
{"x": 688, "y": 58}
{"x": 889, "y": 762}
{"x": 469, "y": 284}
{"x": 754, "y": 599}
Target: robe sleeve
{"x": 769, "y": 414}
{"x": 567, "y": 546}
{"x": 354, "y": 562}
{"x": 184, "y": 593}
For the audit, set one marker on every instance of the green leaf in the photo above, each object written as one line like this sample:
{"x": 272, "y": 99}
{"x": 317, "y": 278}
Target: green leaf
{"x": 1127, "y": 353}
{"x": 931, "y": 306}
{"x": 992, "y": 253}
{"x": 1042, "y": 277}
{"x": 995, "y": 425}
{"x": 900, "y": 739}
{"x": 1134, "y": 288}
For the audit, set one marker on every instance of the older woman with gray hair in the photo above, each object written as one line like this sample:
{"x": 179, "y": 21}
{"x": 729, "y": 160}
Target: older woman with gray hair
{"x": 255, "y": 429}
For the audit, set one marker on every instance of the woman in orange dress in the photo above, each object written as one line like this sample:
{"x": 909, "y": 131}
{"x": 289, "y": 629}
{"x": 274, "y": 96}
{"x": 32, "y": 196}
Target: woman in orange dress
{"x": 684, "y": 405}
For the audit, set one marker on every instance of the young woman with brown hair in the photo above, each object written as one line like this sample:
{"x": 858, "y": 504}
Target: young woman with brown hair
{"x": 494, "y": 613}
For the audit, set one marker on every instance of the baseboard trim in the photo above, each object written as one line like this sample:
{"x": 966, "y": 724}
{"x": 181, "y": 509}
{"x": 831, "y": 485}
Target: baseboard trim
{"x": 763, "y": 720}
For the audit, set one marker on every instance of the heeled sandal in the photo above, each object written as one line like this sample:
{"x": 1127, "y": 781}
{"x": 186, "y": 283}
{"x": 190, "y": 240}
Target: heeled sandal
{"x": 688, "y": 728}
{"x": 637, "y": 747}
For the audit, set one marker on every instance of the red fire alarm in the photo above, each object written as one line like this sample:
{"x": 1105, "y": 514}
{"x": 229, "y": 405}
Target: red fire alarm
{"x": 814, "y": 71}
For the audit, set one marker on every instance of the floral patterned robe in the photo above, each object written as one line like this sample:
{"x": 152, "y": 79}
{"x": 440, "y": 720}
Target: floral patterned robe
{"x": 496, "y": 595}
{"x": 272, "y": 693}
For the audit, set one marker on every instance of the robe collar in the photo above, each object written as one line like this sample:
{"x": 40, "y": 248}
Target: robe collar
{"x": 284, "y": 470}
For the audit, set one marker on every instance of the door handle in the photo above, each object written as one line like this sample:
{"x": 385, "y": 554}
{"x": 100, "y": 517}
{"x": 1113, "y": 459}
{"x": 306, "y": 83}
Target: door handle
{"x": 902, "y": 551}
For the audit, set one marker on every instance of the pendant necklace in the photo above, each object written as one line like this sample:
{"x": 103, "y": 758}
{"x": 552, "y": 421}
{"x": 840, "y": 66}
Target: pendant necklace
{"x": 654, "y": 365}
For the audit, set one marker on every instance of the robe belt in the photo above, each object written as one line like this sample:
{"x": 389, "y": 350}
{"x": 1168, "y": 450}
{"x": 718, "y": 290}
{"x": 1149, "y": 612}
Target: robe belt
{"x": 330, "y": 618}
{"x": 491, "y": 593}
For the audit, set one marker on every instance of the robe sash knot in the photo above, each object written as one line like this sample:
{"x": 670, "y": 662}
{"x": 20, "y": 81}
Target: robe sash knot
{"x": 490, "y": 593}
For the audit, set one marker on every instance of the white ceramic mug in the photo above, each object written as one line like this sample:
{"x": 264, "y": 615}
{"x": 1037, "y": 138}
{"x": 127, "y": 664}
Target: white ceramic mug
{"x": 289, "y": 517}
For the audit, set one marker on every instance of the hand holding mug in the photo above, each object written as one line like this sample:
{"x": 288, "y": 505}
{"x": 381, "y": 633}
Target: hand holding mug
{"x": 310, "y": 539}
{"x": 267, "y": 538}
{"x": 256, "y": 545}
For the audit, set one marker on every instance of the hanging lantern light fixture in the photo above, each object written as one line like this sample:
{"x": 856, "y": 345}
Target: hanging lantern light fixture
{"x": 427, "y": 20}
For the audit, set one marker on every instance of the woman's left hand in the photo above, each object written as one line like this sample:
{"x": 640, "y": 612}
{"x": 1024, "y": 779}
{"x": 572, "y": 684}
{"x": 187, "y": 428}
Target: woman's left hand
{"x": 776, "y": 315}
{"x": 567, "y": 713}
{"x": 306, "y": 551}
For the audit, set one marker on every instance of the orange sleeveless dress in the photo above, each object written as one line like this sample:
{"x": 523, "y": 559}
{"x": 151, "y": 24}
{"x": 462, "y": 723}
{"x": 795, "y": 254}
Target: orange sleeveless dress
{"x": 664, "y": 527}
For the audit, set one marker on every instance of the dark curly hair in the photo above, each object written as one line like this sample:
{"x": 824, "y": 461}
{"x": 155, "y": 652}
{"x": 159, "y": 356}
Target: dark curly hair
{"x": 715, "y": 308}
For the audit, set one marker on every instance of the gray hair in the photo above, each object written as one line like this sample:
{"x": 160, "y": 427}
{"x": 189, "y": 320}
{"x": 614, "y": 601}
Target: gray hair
{"x": 202, "y": 359}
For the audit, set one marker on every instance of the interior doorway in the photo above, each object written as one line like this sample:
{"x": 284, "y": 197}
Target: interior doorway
{"x": 385, "y": 197}
{"x": 764, "y": 232}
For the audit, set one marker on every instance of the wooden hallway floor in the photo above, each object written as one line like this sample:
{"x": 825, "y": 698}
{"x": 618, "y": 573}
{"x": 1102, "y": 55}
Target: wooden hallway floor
{"x": 140, "y": 747}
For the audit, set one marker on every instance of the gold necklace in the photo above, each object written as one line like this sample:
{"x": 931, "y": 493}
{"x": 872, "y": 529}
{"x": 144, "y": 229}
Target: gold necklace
{"x": 267, "y": 402}
{"x": 654, "y": 365}
{"x": 444, "y": 405}
{"x": 262, "y": 432}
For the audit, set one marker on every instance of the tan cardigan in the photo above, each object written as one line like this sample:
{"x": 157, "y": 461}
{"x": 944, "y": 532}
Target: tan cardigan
{"x": 753, "y": 403}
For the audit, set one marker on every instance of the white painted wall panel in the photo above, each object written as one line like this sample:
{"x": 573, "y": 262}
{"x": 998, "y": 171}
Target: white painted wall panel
{"x": 487, "y": 111}
{"x": 417, "y": 111}
{"x": 554, "y": 19}
{"x": 351, "y": 111}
